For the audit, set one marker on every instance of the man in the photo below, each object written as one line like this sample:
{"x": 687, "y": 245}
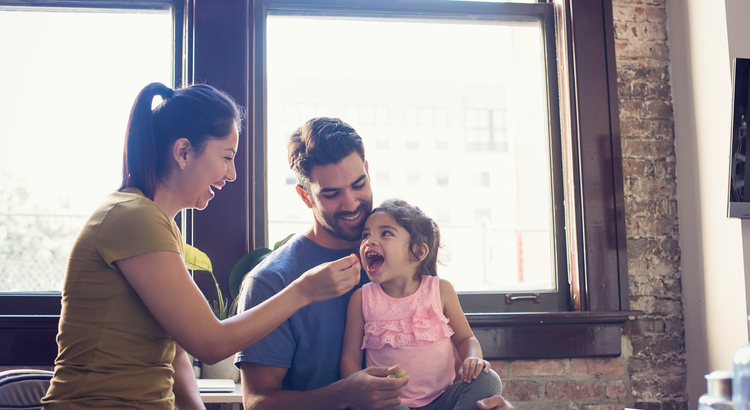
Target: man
{"x": 297, "y": 365}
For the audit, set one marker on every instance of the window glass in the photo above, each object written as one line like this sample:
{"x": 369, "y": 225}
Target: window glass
{"x": 479, "y": 89}
{"x": 70, "y": 79}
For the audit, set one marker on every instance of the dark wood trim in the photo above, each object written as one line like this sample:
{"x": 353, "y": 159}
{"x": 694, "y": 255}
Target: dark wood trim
{"x": 220, "y": 57}
{"x": 595, "y": 153}
{"x": 27, "y": 340}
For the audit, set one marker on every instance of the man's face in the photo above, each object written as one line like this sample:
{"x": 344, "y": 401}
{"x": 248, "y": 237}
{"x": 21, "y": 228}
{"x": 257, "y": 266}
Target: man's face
{"x": 341, "y": 197}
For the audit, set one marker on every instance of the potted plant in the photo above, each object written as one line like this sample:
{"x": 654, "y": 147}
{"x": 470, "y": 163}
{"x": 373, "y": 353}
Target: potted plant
{"x": 197, "y": 260}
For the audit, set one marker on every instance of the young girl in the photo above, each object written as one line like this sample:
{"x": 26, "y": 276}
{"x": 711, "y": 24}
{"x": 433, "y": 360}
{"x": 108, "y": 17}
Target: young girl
{"x": 409, "y": 316}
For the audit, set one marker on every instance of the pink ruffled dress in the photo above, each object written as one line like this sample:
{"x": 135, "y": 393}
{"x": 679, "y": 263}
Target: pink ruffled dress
{"x": 413, "y": 332}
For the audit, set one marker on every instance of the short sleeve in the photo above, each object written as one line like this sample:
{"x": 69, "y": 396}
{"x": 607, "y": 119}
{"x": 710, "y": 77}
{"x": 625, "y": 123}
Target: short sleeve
{"x": 276, "y": 349}
{"x": 134, "y": 228}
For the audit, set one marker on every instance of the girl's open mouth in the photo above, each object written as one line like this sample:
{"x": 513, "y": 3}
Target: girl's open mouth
{"x": 374, "y": 261}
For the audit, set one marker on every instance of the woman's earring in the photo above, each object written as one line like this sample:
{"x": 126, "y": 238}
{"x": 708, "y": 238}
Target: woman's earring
{"x": 183, "y": 165}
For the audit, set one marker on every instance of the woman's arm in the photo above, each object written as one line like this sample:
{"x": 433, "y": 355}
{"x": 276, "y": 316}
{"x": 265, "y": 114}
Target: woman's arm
{"x": 351, "y": 354}
{"x": 186, "y": 394}
{"x": 463, "y": 338}
{"x": 166, "y": 288}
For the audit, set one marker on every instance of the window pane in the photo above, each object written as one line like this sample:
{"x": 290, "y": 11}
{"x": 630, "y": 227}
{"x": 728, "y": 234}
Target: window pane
{"x": 62, "y": 124}
{"x": 479, "y": 89}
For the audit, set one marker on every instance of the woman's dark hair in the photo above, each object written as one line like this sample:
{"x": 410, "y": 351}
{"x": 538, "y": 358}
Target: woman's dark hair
{"x": 421, "y": 228}
{"x": 199, "y": 113}
{"x": 321, "y": 141}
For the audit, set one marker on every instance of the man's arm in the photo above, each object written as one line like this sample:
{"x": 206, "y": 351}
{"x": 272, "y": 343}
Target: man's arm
{"x": 367, "y": 389}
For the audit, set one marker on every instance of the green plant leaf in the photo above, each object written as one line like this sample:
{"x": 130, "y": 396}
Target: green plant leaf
{"x": 247, "y": 263}
{"x": 243, "y": 267}
{"x": 196, "y": 259}
{"x": 278, "y": 244}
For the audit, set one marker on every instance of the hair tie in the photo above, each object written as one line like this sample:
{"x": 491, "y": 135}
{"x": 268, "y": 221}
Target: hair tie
{"x": 168, "y": 93}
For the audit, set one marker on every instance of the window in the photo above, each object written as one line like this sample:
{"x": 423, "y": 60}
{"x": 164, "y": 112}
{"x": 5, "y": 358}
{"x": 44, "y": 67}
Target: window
{"x": 586, "y": 255}
{"x": 62, "y": 125}
{"x": 486, "y": 130}
{"x": 451, "y": 88}
{"x": 412, "y": 178}
{"x": 443, "y": 177}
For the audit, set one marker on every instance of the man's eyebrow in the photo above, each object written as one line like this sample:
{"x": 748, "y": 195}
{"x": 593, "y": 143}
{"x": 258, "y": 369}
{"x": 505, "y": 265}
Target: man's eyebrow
{"x": 357, "y": 181}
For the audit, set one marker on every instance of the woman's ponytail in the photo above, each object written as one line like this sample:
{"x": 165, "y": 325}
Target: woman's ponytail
{"x": 140, "y": 153}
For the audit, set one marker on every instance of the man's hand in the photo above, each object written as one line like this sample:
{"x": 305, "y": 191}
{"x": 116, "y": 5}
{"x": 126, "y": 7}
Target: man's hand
{"x": 371, "y": 389}
{"x": 495, "y": 403}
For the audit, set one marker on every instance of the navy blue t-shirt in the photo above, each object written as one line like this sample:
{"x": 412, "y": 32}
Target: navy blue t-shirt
{"x": 309, "y": 343}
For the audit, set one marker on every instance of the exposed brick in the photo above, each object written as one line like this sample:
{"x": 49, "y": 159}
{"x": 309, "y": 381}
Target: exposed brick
{"x": 571, "y": 390}
{"x": 652, "y": 71}
{"x": 661, "y": 366}
{"x": 639, "y": 14}
{"x": 659, "y": 287}
{"x": 651, "y": 227}
{"x": 643, "y": 90}
{"x": 598, "y": 366}
{"x": 653, "y": 248}
{"x": 640, "y": 32}
{"x": 658, "y": 387}
{"x": 520, "y": 390}
{"x": 661, "y": 207}
{"x": 538, "y": 368}
{"x": 650, "y": 50}
{"x": 615, "y": 390}
{"x": 652, "y": 345}
{"x": 500, "y": 367}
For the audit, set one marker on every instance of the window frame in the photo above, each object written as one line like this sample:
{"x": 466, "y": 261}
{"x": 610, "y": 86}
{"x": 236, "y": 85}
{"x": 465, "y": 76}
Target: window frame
{"x": 558, "y": 299}
{"x": 221, "y": 44}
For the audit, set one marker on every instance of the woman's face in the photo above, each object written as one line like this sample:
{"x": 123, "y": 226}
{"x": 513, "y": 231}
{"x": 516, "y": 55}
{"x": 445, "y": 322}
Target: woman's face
{"x": 212, "y": 168}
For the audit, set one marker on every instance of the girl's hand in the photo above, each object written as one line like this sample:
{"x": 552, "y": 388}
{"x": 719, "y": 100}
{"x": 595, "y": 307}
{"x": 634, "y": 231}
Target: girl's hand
{"x": 472, "y": 367}
{"x": 331, "y": 279}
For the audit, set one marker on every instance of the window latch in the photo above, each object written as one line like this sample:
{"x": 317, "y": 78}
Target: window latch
{"x": 509, "y": 298}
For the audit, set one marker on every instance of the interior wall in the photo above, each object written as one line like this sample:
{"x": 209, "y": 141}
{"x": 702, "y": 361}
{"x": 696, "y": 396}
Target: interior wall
{"x": 713, "y": 277}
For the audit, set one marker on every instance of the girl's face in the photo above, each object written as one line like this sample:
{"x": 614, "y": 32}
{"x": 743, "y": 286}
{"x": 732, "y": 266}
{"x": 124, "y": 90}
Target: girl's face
{"x": 214, "y": 167}
{"x": 385, "y": 250}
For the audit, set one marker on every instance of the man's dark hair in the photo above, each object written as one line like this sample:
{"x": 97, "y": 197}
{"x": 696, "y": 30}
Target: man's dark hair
{"x": 321, "y": 141}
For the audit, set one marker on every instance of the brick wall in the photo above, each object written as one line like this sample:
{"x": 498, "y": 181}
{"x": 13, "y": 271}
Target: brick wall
{"x": 650, "y": 374}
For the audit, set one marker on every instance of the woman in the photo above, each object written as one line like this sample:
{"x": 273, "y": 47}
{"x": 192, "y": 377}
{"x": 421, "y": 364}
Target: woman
{"x": 130, "y": 311}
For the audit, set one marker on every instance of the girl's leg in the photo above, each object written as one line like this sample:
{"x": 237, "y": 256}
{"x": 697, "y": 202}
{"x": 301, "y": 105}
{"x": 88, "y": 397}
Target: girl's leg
{"x": 464, "y": 396}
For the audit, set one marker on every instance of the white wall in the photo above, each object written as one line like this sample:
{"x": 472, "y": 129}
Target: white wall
{"x": 713, "y": 264}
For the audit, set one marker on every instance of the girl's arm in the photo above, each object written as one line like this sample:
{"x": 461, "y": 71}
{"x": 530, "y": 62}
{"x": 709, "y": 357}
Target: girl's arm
{"x": 351, "y": 354}
{"x": 166, "y": 288}
{"x": 463, "y": 338}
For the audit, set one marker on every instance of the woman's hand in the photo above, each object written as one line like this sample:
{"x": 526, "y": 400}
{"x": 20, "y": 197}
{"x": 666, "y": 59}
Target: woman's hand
{"x": 330, "y": 279}
{"x": 472, "y": 367}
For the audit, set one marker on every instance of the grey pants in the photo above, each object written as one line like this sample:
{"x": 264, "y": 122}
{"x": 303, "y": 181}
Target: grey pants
{"x": 464, "y": 396}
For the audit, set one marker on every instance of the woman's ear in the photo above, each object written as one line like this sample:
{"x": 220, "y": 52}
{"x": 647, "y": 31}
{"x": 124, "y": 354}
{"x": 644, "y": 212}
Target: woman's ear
{"x": 420, "y": 251}
{"x": 180, "y": 152}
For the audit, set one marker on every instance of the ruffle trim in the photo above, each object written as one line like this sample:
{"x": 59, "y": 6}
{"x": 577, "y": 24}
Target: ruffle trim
{"x": 424, "y": 328}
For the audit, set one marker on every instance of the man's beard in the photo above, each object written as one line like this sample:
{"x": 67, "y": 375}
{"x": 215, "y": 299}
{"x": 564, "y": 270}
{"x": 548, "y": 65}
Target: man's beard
{"x": 332, "y": 225}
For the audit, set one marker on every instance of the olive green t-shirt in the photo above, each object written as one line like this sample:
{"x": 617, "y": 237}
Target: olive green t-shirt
{"x": 112, "y": 353}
